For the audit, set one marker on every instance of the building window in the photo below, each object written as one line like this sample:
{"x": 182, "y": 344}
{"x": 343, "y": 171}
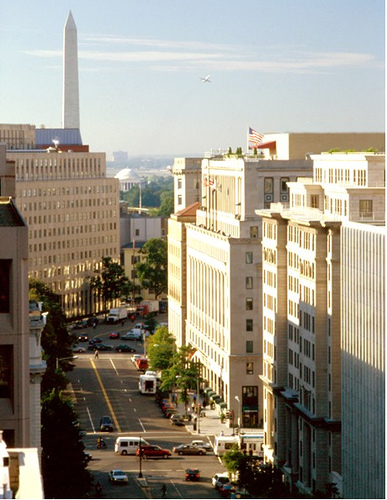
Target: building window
{"x": 249, "y": 304}
{"x": 254, "y": 232}
{"x": 249, "y": 282}
{"x": 249, "y": 257}
{"x": 250, "y": 368}
{"x": 249, "y": 325}
{"x": 5, "y": 271}
{"x": 269, "y": 185}
{"x": 314, "y": 200}
{"x": 249, "y": 346}
{"x": 179, "y": 200}
{"x": 283, "y": 184}
{"x": 365, "y": 208}
{"x": 6, "y": 371}
{"x": 179, "y": 183}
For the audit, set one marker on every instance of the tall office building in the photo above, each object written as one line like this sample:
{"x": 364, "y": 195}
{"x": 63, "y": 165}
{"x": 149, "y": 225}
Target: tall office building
{"x": 70, "y": 117}
{"x": 71, "y": 208}
{"x": 303, "y": 298}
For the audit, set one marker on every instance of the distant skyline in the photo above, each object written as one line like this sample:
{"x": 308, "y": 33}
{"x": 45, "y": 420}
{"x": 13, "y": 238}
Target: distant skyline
{"x": 275, "y": 65}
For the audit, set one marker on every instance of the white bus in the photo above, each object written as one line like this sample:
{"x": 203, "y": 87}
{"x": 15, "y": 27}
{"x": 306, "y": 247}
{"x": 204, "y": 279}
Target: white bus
{"x": 224, "y": 443}
{"x": 252, "y": 443}
{"x": 147, "y": 384}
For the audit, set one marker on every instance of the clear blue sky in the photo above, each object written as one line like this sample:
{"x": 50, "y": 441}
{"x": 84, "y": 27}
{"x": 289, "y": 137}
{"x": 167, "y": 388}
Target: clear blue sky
{"x": 276, "y": 65}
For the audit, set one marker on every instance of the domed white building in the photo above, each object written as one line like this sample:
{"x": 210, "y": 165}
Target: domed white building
{"x": 126, "y": 181}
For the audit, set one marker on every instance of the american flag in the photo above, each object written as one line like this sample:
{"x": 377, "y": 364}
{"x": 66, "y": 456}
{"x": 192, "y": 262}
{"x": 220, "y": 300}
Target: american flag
{"x": 254, "y": 137}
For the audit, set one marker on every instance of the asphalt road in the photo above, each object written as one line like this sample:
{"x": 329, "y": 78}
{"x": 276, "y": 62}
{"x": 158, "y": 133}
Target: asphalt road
{"x": 109, "y": 386}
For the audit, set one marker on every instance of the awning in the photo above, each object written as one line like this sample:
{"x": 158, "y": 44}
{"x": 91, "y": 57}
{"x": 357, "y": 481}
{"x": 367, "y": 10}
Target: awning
{"x": 266, "y": 145}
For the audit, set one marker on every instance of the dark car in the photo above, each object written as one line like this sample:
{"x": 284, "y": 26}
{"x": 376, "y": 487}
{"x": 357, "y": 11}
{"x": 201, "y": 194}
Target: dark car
{"x": 95, "y": 340}
{"x": 83, "y": 337}
{"x": 106, "y": 424}
{"x": 103, "y": 347}
{"x": 192, "y": 474}
{"x": 125, "y": 348}
{"x": 153, "y": 451}
{"x": 79, "y": 325}
{"x": 114, "y": 335}
{"x": 186, "y": 449}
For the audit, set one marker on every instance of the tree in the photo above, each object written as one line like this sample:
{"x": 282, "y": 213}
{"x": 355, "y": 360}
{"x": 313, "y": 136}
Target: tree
{"x": 110, "y": 282}
{"x": 161, "y": 349}
{"x": 167, "y": 205}
{"x": 152, "y": 272}
{"x": 63, "y": 459}
{"x": 56, "y": 341}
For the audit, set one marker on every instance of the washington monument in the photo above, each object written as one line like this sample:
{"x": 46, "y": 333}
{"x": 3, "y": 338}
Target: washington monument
{"x": 70, "y": 111}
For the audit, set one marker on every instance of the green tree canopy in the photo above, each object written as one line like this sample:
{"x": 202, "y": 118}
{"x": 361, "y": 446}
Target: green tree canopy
{"x": 152, "y": 272}
{"x": 161, "y": 349}
{"x": 56, "y": 341}
{"x": 110, "y": 281}
{"x": 63, "y": 459}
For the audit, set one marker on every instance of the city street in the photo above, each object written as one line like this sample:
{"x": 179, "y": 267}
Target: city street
{"x": 109, "y": 386}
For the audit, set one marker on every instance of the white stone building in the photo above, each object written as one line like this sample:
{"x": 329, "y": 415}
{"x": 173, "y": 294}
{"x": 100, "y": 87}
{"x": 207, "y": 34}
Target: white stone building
{"x": 302, "y": 306}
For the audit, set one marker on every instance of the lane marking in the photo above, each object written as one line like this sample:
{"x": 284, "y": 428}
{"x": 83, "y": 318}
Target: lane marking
{"x": 143, "y": 428}
{"x": 91, "y": 421}
{"x": 115, "y": 369}
{"x": 106, "y": 396}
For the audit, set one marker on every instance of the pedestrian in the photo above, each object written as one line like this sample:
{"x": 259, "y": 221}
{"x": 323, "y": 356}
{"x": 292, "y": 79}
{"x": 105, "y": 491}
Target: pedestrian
{"x": 163, "y": 491}
{"x": 123, "y": 322}
{"x": 96, "y": 354}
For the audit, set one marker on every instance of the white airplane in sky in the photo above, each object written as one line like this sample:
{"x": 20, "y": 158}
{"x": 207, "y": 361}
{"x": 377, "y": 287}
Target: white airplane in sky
{"x": 206, "y": 79}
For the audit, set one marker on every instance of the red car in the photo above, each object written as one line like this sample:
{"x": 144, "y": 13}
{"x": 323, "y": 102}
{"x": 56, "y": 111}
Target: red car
{"x": 152, "y": 451}
{"x": 114, "y": 335}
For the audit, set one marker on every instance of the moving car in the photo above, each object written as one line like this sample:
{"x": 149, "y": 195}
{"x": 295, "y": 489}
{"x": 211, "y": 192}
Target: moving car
{"x": 135, "y": 357}
{"x": 153, "y": 451}
{"x": 220, "y": 479}
{"x": 80, "y": 324}
{"x": 83, "y": 337}
{"x": 125, "y": 348}
{"x": 175, "y": 418}
{"x": 201, "y": 444}
{"x": 186, "y": 449}
{"x": 114, "y": 335}
{"x": 94, "y": 341}
{"x": 118, "y": 477}
{"x": 78, "y": 348}
{"x": 106, "y": 424}
{"x": 103, "y": 347}
{"x": 192, "y": 474}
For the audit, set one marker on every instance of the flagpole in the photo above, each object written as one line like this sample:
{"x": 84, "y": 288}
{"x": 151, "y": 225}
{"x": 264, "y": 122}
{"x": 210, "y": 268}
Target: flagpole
{"x": 247, "y": 149}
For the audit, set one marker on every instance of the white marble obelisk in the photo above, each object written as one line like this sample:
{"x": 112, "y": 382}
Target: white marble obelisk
{"x": 70, "y": 111}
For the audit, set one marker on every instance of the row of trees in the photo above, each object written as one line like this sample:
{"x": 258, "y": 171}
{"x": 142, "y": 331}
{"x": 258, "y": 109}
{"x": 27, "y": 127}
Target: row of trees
{"x": 179, "y": 373}
{"x": 110, "y": 282}
{"x": 63, "y": 459}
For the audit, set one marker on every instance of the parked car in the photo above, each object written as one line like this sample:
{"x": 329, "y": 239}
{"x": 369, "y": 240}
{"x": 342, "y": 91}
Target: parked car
{"x": 153, "y": 451}
{"x": 78, "y": 348}
{"x": 114, "y": 335}
{"x": 186, "y": 449}
{"x": 219, "y": 479}
{"x": 201, "y": 444}
{"x": 103, "y": 347}
{"x": 118, "y": 477}
{"x": 106, "y": 424}
{"x": 225, "y": 490}
{"x": 83, "y": 337}
{"x": 125, "y": 348}
{"x": 192, "y": 474}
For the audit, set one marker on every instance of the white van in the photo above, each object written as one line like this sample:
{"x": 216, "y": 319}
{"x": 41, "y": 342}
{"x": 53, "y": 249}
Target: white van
{"x": 224, "y": 443}
{"x": 128, "y": 445}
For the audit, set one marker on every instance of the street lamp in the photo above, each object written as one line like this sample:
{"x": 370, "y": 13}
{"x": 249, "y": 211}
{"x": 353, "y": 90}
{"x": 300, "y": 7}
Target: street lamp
{"x": 198, "y": 407}
{"x": 63, "y": 359}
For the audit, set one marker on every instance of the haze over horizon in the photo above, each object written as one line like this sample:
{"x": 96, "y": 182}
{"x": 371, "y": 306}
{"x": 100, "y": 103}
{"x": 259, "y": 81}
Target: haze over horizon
{"x": 276, "y": 66}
